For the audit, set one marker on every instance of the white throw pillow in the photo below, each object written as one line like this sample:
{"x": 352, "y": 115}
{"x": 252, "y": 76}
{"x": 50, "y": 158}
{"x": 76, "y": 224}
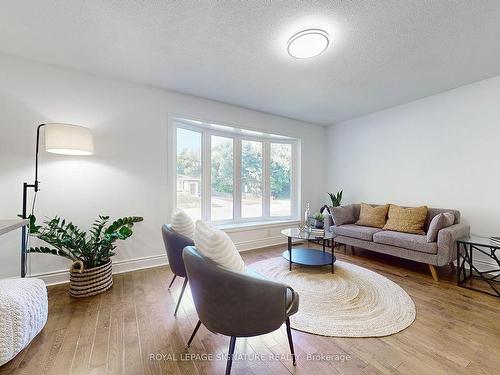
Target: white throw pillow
{"x": 217, "y": 246}
{"x": 182, "y": 223}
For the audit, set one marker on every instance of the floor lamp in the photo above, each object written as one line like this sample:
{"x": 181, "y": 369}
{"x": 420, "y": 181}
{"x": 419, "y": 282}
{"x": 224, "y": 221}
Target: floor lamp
{"x": 64, "y": 139}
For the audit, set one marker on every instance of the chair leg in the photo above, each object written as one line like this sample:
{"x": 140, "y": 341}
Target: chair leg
{"x": 434, "y": 272}
{"x": 180, "y": 297}
{"x": 194, "y": 333}
{"x": 232, "y": 344}
{"x": 290, "y": 341}
{"x": 172, "y": 281}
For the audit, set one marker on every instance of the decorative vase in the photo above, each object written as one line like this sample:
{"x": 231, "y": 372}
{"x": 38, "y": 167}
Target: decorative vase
{"x": 89, "y": 282}
{"x": 307, "y": 215}
{"x": 318, "y": 224}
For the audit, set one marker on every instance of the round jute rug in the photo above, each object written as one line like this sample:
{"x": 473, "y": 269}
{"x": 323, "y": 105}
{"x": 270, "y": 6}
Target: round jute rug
{"x": 352, "y": 302}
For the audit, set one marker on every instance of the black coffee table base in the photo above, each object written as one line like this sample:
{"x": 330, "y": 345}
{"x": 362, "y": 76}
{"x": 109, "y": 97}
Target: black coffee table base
{"x": 309, "y": 257}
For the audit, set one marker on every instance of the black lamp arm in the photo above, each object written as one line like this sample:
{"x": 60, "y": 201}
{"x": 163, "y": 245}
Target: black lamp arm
{"x": 25, "y": 197}
{"x": 35, "y": 185}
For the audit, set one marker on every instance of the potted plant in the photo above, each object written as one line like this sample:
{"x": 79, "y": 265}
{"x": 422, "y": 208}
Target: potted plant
{"x": 91, "y": 271}
{"x": 318, "y": 220}
{"x": 336, "y": 198}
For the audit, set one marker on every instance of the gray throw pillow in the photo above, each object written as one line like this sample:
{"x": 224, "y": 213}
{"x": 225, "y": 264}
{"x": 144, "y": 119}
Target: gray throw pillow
{"x": 439, "y": 222}
{"x": 343, "y": 215}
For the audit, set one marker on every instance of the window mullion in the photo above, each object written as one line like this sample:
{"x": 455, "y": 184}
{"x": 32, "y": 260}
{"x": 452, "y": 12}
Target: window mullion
{"x": 295, "y": 190}
{"x": 237, "y": 179}
{"x": 206, "y": 176}
{"x": 266, "y": 180}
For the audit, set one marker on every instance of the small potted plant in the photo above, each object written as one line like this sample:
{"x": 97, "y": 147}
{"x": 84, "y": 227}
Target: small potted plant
{"x": 91, "y": 272}
{"x": 318, "y": 220}
{"x": 336, "y": 198}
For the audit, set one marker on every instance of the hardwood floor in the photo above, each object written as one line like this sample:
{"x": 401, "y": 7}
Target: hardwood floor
{"x": 131, "y": 330}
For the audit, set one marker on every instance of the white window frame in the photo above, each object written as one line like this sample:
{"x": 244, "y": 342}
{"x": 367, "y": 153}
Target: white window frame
{"x": 206, "y": 174}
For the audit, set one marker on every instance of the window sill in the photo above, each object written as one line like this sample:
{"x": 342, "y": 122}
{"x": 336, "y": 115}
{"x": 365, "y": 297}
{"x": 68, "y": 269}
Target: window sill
{"x": 240, "y": 227}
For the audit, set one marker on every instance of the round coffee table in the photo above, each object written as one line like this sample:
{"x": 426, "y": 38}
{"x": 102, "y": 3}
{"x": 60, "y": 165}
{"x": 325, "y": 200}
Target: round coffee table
{"x": 307, "y": 256}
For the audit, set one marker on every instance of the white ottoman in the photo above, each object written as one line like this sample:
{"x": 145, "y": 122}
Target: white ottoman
{"x": 23, "y": 313}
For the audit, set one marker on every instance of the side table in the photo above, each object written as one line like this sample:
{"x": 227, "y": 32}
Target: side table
{"x": 10, "y": 225}
{"x": 468, "y": 276}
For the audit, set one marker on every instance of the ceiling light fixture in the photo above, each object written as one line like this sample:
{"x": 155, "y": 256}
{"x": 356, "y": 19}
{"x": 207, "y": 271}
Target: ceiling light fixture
{"x": 308, "y": 43}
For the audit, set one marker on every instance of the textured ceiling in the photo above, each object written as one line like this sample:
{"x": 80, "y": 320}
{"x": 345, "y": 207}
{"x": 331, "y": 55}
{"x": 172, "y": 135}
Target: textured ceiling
{"x": 383, "y": 53}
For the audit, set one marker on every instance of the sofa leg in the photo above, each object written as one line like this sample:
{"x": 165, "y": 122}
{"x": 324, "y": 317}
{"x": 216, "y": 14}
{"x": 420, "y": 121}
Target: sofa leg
{"x": 434, "y": 272}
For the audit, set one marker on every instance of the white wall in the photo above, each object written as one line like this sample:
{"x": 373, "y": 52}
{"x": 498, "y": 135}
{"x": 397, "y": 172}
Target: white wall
{"x": 443, "y": 151}
{"x": 128, "y": 173}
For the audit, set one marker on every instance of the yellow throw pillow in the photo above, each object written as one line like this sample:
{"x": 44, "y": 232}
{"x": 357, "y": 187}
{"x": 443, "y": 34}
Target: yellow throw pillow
{"x": 407, "y": 220}
{"x": 372, "y": 216}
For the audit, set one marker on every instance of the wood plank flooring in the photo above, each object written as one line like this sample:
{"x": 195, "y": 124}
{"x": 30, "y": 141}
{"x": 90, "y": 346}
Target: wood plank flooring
{"x": 131, "y": 330}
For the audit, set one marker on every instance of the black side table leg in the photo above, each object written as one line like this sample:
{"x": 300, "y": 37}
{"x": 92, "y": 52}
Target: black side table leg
{"x": 290, "y": 251}
{"x": 333, "y": 251}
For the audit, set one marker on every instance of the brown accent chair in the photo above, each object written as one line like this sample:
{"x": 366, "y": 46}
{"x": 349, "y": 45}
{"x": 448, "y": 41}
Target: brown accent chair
{"x": 237, "y": 304}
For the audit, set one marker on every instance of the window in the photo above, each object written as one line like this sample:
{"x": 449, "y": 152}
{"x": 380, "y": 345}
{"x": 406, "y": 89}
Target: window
{"x": 189, "y": 172}
{"x": 251, "y": 179}
{"x": 222, "y": 178}
{"x": 230, "y": 175}
{"x": 281, "y": 183}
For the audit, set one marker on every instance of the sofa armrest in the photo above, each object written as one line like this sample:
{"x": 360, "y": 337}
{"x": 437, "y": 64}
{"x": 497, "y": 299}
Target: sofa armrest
{"x": 447, "y": 239}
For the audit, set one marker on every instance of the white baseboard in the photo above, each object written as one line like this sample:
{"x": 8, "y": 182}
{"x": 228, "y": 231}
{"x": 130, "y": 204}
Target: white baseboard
{"x": 259, "y": 243}
{"x": 121, "y": 266}
{"x": 483, "y": 265}
{"x": 128, "y": 265}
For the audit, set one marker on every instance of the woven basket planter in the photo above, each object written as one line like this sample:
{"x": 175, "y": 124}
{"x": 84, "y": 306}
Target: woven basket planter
{"x": 92, "y": 281}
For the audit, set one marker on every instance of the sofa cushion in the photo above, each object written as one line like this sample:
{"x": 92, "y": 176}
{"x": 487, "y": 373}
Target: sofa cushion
{"x": 409, "y": 241}
{"x": 436, "y": 211}
{"x": 406, "y": 220}
{"x": 356, "y": 231}
{"x": 342, "y": 215}
{"x": 370, "y": 216}
{"x": 439, "y": 222}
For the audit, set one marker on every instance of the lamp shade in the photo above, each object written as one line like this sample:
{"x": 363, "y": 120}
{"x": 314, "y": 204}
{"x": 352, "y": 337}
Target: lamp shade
{"x": 68, "y": 139}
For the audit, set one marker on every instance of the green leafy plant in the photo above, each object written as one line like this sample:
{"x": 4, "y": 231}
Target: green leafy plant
{"x": 67, "y": 240}
{"x": 336, "y": 198}
{"x": 318, "y": 217}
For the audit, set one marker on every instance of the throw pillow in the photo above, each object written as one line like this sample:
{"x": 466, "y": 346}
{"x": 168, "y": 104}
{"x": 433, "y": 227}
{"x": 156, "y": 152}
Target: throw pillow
{"x": 406, "y": 220}
{"x": 439, "y": 222}
{"x": 216, "y": 245}
{"x": 372, "y": 216}
{"x": 342, "y": 215}
{"x": 182, "y": 223}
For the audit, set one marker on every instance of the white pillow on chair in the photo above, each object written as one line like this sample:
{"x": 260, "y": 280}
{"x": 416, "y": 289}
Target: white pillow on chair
{"x": 182, "y": 223}
{"x": 217, "y": 246}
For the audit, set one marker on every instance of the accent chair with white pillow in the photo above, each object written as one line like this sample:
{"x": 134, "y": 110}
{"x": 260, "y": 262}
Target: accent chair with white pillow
{"x": 176, "y": 237}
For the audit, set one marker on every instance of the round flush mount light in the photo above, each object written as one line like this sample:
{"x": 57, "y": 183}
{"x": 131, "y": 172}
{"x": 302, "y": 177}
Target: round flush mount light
{"x": 308, "y": 43}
